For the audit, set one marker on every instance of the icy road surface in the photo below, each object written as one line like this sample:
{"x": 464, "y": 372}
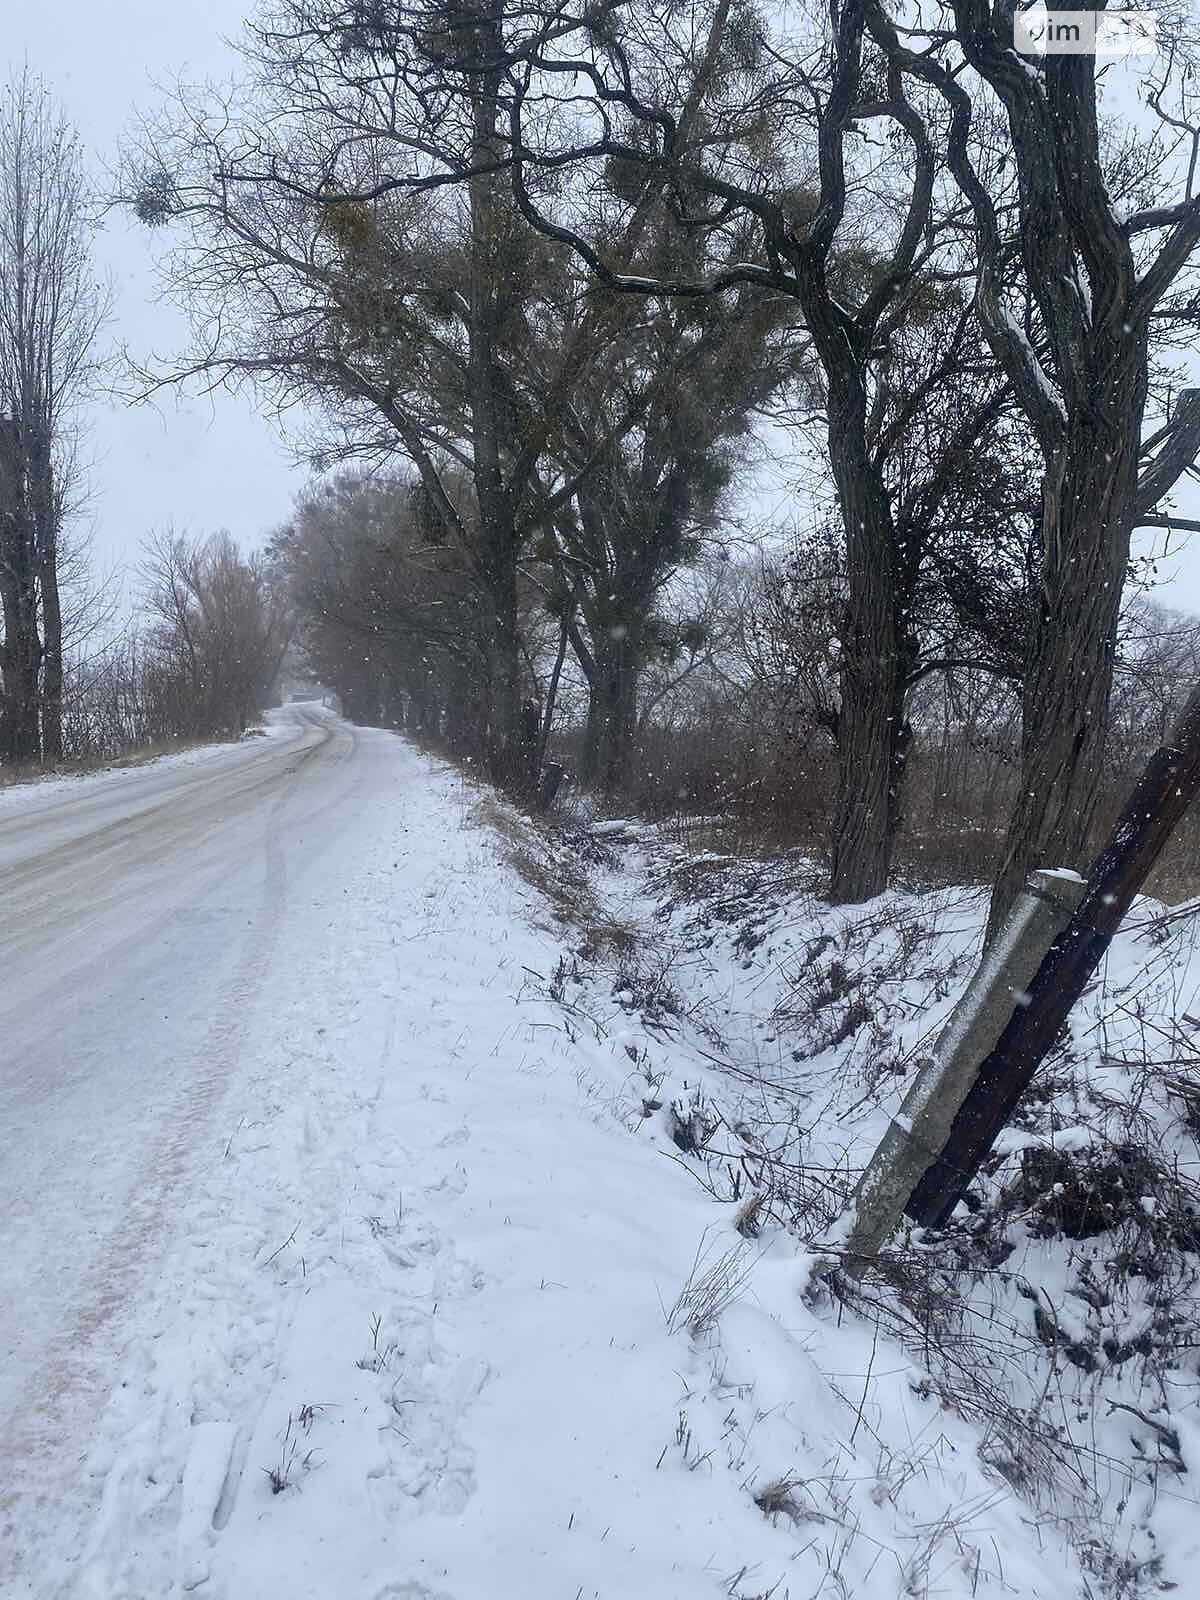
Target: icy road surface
{"x": 337, "y": 1260}
{"x": 139, "y": 912}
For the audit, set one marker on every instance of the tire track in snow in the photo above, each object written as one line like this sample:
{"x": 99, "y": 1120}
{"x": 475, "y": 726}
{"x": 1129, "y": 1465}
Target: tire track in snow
{"x": 72, "y": 1374}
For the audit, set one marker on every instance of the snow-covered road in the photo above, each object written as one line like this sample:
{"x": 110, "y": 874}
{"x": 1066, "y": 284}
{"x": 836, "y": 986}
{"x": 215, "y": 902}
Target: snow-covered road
{"x": 138, "y": 917}
{"x": 139, "y": 913}
{"x": 336, "y": 1258}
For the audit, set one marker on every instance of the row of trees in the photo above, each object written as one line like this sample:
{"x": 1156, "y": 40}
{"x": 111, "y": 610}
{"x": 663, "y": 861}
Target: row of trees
{"x": 559, "y": 261}
{"x": 200, "y": 659}
{"x": 568, "y": 447}
{"x": 218, "y": 626}
{"x": 560, "y": 265}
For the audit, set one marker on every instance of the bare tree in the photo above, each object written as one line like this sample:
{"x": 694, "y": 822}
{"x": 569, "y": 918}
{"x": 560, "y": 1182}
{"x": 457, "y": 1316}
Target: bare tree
{"x": 389, "y": 617}
{"x": 1158, "y": 657}
{"x": 1070, "y": 278}
{"x": 653, "y": 491}
{"x": 219, "y": 628}
{"x": 51, "y": 311}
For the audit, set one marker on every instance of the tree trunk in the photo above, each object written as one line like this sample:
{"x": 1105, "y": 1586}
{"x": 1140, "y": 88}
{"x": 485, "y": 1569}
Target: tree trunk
{"x": 1088, "y": 511}
{"x": 20, "y": 739}
{"x": 52, "y": 658}
{"x": 548, "y": 709}
{"x": 872, "y": 735}
{"x": 612, "y": 706}
{"x": 20, "y": 658}
{"x": 510, "y": 752}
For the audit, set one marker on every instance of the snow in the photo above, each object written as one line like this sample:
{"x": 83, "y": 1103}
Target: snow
{"x": 616, "y": 826}
{"x": 36, "y": 793}
{"x": 1033, "y": 365}
{"x": 755, "y": 957}
{"x": 370, "y": 1275}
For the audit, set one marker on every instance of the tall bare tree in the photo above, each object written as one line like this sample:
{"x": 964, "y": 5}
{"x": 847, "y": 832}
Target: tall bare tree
{"x": 647, "y": 494}
{"x": 51, "y": 311}
{"x": 1079, "y": 249}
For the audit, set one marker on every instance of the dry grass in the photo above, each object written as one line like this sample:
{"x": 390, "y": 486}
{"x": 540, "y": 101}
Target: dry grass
{"x": 714, "y": 1283}
{"x": 555, "y": 862}
{"x": 721, "y": 785}
{"x": 79, "y": 766}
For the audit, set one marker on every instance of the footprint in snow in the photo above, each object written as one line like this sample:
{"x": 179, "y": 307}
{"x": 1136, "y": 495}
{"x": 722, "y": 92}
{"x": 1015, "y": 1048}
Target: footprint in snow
{"x": 448, "y": 1187}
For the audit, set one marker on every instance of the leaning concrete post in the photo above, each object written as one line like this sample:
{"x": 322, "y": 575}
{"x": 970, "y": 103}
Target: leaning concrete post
{"x": 918, "y": 1132}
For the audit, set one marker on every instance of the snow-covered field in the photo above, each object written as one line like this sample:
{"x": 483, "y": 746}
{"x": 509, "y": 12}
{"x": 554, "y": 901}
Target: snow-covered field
{"x": 347, "y": 1249}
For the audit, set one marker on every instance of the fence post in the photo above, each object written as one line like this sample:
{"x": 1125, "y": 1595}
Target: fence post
{"x": 918, "y": 1133}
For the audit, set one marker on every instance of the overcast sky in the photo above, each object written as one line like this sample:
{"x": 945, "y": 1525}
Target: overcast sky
{"x": 207, "y": 464}
{"x": 199, "y": 464}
